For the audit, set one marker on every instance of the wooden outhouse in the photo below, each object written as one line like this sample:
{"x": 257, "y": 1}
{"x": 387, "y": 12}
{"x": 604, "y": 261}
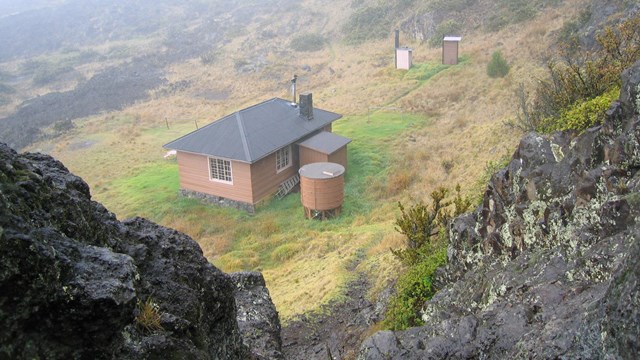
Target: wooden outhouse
{"x": 450, "y": 50}
{"x": 404, "y": 56}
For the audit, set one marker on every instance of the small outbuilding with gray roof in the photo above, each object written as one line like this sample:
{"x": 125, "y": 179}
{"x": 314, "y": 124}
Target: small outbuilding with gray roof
{"x": 324, "y": 147}
{"x": 251, "y": 154}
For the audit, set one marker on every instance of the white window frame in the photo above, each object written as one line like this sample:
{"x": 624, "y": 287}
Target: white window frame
{"x": 280, "y": 167}
{"x": 218, "y": 179}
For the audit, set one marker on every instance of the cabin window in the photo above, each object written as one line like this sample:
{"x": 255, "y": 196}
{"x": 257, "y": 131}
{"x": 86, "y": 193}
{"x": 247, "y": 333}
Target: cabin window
{"x": 220, "y": 170}
{"x": 283, "y": 158}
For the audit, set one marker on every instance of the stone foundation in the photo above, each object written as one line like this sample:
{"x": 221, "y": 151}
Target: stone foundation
{"x": 218, "y": 200}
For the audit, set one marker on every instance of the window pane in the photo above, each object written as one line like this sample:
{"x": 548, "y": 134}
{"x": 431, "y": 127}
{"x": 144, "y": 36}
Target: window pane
{"x": 220, "y": 169}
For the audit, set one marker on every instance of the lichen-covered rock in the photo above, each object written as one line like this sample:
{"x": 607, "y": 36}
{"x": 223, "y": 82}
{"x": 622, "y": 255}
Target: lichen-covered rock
{"x": 75, "y": 282}
{"x": 547, "y": 266}
{"x": 257, "y": 316}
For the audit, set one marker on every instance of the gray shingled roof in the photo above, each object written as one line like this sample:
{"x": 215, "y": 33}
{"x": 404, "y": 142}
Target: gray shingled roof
{"x": 325, "y": 142}
{"x": 250, "y": 134}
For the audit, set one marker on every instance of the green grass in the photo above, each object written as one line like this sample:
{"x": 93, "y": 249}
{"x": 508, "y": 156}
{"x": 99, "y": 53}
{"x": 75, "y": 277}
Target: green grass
{"x": 279, "y": 230}
{"x": 424, "y": 71}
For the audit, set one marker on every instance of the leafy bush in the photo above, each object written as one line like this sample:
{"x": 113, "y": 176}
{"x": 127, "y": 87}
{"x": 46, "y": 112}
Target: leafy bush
{"x": 419, "y": 224}
{"x": 583, "y": 114}
{"x": 426, "y": 249}
{"x": 498, "y": 66}
{"x": 449, "y": 27}
{"x": 414, "y": 288}
{"x": 308, "y": 42}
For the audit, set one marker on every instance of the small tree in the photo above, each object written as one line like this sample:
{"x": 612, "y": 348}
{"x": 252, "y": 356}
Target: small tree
{"x": 498, "y": 66}
{"x": 421, "y": 223}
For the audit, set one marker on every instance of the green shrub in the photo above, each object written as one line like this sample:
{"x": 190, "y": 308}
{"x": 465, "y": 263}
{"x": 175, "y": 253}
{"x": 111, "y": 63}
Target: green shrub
{"x": 414, "y": 288}
{"x": 449, "y": 27}
{"x": 498, "y": 66}
{"x": 419, "y": 224}
{"x": 583, "y": 114}
{"x": 308, "y": 42}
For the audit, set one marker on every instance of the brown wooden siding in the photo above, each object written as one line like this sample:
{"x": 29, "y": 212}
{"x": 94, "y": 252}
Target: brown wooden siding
{"x": 264, "y": 178}
{"x": 322, "y": 194}
{"x": 194, "y": 175}
{"x": 339, "y": 157}
{"x": 450, "y": 52}
{"x": 308, "y": 156}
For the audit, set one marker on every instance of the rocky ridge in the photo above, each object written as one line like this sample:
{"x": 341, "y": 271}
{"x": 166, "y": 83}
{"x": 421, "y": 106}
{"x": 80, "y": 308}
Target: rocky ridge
{"x": 77, "y": 283}
{"x": 548, "y": 265}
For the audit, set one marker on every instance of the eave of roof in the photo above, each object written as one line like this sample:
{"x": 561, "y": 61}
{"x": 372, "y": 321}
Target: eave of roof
{"x": 325, "y": 142}
{"x": 252, "y": 133}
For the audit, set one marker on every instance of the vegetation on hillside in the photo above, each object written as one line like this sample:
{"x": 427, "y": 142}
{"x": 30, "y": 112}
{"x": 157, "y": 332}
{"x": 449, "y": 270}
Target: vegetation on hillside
{"x": 308, "y": 42}
{"x": 425, "y": 231}
{"x": 580, "y": 82}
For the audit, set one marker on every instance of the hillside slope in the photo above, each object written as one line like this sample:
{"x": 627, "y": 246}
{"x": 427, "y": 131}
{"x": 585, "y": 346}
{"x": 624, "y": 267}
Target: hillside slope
{"x": 548, "y": 266}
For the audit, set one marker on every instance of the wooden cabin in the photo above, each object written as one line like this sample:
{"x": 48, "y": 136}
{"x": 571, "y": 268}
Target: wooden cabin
{"x": 254, "y": 153}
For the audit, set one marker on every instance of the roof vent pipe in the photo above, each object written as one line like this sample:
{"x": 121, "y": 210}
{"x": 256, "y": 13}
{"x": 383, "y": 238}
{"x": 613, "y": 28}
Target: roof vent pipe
{"x": 293, "y": 88}
{"x": 397, "y": 46}
{"x": 306, "y": 106}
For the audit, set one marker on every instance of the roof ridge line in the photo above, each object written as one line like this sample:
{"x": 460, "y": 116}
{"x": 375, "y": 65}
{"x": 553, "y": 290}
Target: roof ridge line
{"x": 243, "y": 136}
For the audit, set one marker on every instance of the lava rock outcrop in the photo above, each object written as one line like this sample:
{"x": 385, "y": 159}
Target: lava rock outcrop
{"x": 76, "y": 283}
{"x": 547, "y": 267}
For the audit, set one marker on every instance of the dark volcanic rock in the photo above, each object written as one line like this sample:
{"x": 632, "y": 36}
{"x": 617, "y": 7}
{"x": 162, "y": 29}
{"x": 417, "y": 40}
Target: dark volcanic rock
{"x": 257, "y": 316}
{"x": 547, "y": 267}
{"x": 112, "y": 89}
{"x": 73, "y": 279}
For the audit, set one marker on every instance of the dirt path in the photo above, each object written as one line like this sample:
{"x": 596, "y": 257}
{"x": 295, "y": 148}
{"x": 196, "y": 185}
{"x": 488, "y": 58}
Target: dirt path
{"x": 338, "y": 331}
